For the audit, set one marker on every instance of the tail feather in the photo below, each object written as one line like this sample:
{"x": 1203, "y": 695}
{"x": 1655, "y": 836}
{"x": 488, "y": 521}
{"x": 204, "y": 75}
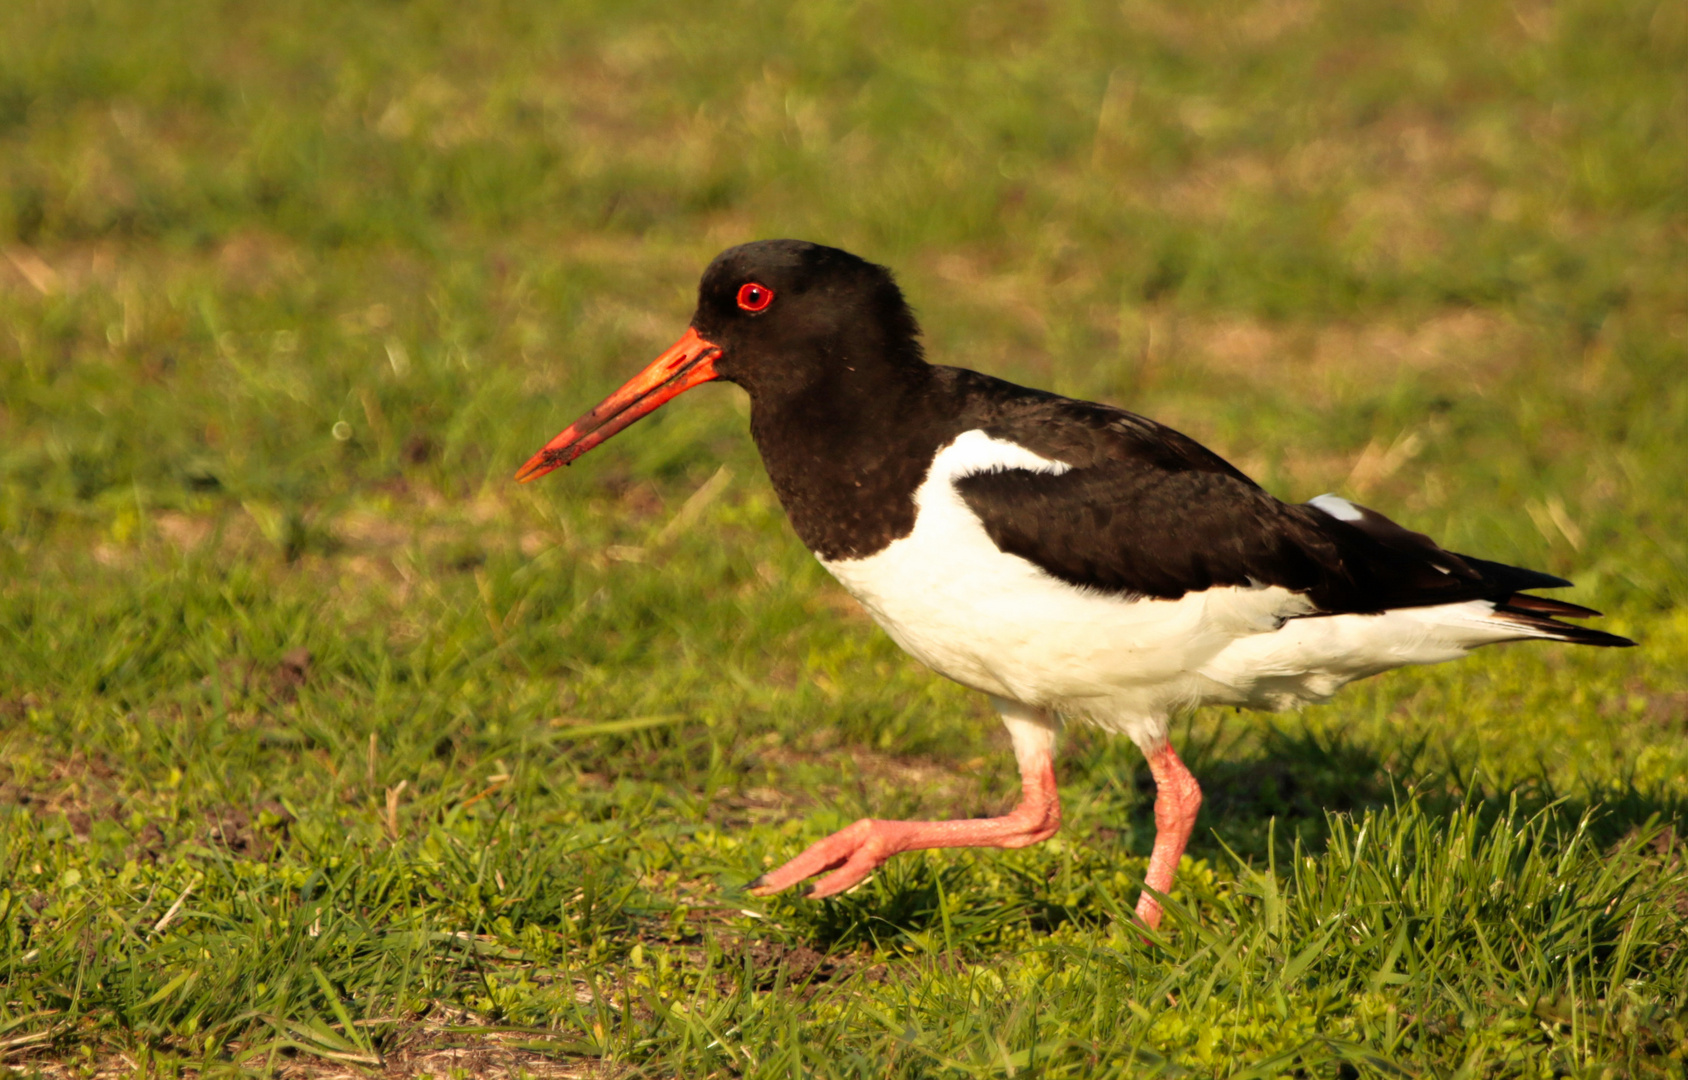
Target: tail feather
{"x": 1556, "y": 609}
{"x": 1540, "y": 615}
{"x": 1537, "y": 614}
{"x": 1515, "y": 578}
{"x": 1490, "y": 598}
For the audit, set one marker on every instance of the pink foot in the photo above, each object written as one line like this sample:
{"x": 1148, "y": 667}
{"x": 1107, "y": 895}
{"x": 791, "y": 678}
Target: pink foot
{"x": 855, "y": 852}
{"x": 1177, "y": 798}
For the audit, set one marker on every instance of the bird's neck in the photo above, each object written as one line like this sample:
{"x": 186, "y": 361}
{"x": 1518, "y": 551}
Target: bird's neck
{"x": 847, "y": 453}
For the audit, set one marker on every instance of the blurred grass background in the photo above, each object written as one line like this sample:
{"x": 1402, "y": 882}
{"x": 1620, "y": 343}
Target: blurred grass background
{"x": 324, "y": 746}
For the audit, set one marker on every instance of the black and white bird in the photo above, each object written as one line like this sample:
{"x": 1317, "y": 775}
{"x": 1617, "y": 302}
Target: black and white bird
{"x": 1070, "y": 559}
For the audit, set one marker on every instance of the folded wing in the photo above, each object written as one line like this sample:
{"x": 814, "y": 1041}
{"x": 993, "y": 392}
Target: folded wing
{"x": 1147, "y": 512}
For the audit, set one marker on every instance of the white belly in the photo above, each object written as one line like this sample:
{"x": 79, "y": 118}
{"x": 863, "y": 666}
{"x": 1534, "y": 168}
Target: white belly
{"x": 998, "y": 623}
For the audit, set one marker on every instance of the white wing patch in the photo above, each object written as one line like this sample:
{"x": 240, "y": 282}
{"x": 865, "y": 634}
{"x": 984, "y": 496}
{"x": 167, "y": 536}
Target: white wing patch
{"x": 1337, "y": 507}
{"x": 975, "y": 452}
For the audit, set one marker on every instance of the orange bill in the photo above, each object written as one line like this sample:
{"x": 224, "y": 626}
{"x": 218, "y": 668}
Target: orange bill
{"x": 689, "y": 362}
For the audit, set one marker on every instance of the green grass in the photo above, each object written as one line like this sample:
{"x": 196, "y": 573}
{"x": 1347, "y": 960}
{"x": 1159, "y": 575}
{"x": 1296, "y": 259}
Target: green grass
{"x": 325, "y": 747}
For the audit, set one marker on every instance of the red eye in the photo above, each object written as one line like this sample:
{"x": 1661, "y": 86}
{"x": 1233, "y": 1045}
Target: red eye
{"x": 754, "y": 297}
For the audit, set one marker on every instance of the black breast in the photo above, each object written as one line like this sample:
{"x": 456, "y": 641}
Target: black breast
{"x": 846, "y": 464}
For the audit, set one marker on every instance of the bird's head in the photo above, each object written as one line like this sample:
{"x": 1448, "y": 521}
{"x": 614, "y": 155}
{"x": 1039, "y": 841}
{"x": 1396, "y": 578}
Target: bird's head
{"x": 781, "y": 318}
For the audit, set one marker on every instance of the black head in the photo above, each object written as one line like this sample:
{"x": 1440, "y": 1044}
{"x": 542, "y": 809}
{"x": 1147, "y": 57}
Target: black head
{"x": 792, "y": 322}
{"x": 788, "y": 315}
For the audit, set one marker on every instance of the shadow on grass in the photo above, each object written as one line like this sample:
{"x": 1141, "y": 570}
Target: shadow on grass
{"x": 1285, "y": 786}
{"x": 1286, "y": 782}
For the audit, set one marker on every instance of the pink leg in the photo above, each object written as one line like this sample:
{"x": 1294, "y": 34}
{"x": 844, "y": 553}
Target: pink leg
{"x": 1177, "y": 798}
{"x": 853, "y": 853}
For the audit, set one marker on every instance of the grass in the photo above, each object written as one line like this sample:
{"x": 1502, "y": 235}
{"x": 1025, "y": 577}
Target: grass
{"x": 325, "y": 748}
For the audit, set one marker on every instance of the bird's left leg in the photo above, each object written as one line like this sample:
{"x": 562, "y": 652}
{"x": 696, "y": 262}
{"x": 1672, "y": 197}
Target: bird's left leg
{"x": 855, "y": 852}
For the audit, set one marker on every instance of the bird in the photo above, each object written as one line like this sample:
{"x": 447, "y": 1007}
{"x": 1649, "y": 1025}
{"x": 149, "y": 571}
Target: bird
{"x": 1073, "y": 561}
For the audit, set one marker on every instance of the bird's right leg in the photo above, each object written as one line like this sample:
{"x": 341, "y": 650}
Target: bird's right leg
{"x": 1177, "y": 799}
{"x": 854, "y": 853}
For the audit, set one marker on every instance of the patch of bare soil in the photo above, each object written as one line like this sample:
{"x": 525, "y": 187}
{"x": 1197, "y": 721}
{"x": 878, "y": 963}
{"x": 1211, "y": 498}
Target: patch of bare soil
{"x": 489, "y": 1055}
{"x": 250, "y": 831}
{"x": 934, "y": 788}
{"x": 278, "y": 683}
{"x": 85, "y": 787}
{"x": 1664, "y": 709}
{"x": 769, "y": 963}
{"x": 80, "y": 786}
{"x": 423, "y": 1052}
{"x": 1475, "y": 344}
{"x": 796, "y": 965}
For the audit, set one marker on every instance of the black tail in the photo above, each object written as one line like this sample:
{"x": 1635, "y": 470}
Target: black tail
{"x": 1408, "y": 569}
{"x": 1541, "y": 615}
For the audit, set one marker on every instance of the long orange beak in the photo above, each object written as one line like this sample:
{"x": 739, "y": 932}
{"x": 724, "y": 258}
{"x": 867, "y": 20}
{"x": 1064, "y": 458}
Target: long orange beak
{"x": 690, "y": 361}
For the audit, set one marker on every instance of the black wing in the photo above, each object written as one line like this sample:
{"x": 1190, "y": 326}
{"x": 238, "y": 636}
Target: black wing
{"x": 1146, "y": 511}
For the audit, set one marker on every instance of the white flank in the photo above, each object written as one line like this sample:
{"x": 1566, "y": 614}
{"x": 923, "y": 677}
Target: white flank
{"x": 1000, "y": 624}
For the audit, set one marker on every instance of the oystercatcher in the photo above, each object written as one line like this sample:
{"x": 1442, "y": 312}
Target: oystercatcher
{"x": 1070, "y": 559}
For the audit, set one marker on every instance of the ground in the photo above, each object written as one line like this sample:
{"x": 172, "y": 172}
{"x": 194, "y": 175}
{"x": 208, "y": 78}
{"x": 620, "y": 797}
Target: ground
{"x": 326, "y": 749}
